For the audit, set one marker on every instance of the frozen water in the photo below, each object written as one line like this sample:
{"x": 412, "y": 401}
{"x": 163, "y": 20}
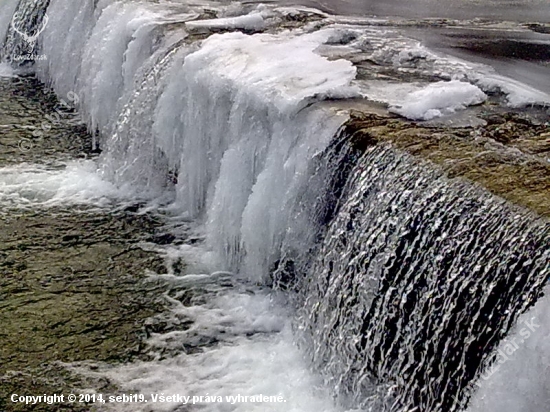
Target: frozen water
{"x": 253, "y": 21}
{"x": 438, "y": 99}
{"x": 232, "y": 126}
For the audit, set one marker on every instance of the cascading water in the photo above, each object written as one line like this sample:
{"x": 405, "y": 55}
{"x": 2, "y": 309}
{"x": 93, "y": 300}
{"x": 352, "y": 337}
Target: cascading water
{"x": 416, "y": 281}
{"x": 517, "y": 380}
{"x": 406, "y": 280}
{"x": 25, "y": 26}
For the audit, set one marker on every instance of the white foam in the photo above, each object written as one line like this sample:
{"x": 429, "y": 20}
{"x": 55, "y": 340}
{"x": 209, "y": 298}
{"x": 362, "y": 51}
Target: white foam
{"x": 522, "y": 382}
{"x": 76, "y": 183}
{"x": 237, "y": 340}
{"x": 7, "y": 8}
{"x": 251, "y": 352}
{"x": 270, "y": 366}
{"x": 6, "y": 70}
{"x": 439, "y": 99}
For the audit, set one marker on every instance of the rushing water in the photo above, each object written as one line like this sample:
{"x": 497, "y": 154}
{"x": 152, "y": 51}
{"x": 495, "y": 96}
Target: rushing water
{"x": 412, "y": 283}
{"x": 405, "y": 282}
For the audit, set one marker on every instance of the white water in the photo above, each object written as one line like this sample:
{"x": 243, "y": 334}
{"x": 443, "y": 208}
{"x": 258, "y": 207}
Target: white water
{"x": 522, "y": 382}
{"x": 7, "y": 8}
{"x": 237, "y": 119}
{"x": 234, "y": 117}
{"x": 76, "y": 183}
{"x": 246, "y": 331}
{"x": 6, "y": 70}
{"x": 249, "y": 345}
{"x": 391, "y": 292}
{"x": 239, "y": 343}
{"x": 237, "y": 130}
{"x": 240, "y": 134}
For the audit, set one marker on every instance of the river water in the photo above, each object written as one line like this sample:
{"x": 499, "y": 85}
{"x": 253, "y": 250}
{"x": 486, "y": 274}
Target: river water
{"x": 512, "y": 10}
{"x": 268, "y": 169}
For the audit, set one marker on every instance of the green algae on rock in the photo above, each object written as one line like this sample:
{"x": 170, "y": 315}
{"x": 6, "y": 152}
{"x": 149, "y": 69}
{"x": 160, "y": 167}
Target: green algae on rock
{"x": 73, "y": 283}
{"x": 508, "y": 156}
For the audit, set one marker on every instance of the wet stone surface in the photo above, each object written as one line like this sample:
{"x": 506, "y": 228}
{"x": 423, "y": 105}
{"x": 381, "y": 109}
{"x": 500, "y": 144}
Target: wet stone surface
{"x": 35, "y": 127}
{"x": 73, "y": 283}
{"x": 509, "y": 154}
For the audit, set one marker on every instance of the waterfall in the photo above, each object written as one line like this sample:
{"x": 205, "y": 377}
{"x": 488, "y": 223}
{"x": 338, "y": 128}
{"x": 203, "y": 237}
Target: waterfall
{"x": 417, "y": 279}
{"x": 519, "y": 378}
{"x": 406, "y": 281}
{"x": 23, "y": 29}
{"x": 249, "y": 126}
{"x": 7, "y": 10}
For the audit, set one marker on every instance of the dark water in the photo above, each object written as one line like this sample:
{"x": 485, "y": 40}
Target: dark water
{"x": 521, "y": 10}
{"x": 520, "y": 54}
{"x": 523, "y": 55}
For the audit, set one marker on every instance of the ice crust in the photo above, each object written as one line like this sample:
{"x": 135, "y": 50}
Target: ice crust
{"x": 438, "y": 99}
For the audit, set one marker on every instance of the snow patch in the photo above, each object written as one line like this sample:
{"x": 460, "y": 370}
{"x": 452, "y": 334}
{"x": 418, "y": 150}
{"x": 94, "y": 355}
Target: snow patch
{"x": 390, "y": 48}
{"x": 439, "y": 99}
{"x": 517, "y": 94}
{"x": 283, "y": 69}
{"x": 254, "y": 21}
